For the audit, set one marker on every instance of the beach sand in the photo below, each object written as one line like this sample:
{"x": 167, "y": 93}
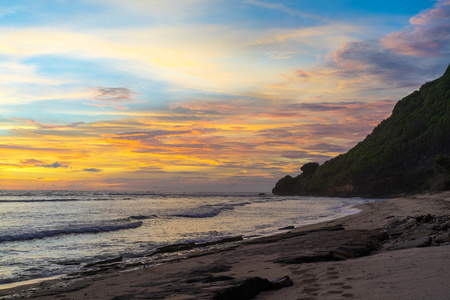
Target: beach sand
{"x": 390, "y": 250}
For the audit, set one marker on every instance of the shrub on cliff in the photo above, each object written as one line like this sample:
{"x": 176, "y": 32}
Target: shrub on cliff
{"x": 309, "y": 169}
{"x": 442, "y": 170}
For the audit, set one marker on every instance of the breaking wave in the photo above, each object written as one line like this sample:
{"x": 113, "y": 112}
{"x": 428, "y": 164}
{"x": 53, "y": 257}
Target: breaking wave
{"x": 73, "y": 230}
{"x": 208, "y": 211}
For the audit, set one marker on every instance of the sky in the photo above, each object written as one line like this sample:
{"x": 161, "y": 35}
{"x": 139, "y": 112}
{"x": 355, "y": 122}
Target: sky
{"x": 201, "y": 95}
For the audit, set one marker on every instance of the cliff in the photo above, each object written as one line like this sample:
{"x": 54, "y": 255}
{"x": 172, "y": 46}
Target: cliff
{"x": 406, "y": 153}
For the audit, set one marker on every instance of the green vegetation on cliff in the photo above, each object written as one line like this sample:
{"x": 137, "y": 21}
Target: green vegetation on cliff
{"x": 406, "y": 153}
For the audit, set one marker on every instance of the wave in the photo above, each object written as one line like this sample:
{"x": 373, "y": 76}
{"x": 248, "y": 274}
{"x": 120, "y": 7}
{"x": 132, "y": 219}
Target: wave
{"x": 142, "y": 217}
{"x": 39, "y": 200}
{"x": 74, "y": 230}
{"x": 209, "y": 211}
{"x": 54, "y": 200}
{"x": 207, "y": 214}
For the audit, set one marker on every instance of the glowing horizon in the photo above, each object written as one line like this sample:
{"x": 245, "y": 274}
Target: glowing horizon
{"x": 197, "y": 95}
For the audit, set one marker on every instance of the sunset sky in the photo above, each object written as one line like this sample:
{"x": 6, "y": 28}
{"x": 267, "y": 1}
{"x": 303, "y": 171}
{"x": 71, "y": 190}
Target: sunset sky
{"x": 201, "y": 95}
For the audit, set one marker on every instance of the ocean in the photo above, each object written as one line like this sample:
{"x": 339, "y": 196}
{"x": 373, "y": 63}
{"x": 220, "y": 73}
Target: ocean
{"x": 49, "y": 233}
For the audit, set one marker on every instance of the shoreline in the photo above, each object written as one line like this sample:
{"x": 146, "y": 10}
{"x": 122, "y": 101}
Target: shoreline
{"x": 298, "y": 253}
{"x": 184, "y": 247}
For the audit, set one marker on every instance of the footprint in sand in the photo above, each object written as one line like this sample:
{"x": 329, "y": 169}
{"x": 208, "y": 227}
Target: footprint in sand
{"x": 322, "y": 285}
{"x": 335, "y": 292}
{"x": 308, "y": 281}
{"x": 347, "y": 287}
{"x": 347, "y": 295}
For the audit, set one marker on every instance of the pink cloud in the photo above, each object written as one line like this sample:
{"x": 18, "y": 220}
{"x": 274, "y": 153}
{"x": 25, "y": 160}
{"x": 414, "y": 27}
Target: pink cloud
{"x": 31, "y": 161}
{"x": 48, "y": 126}
{"x": 403, "y": 59}
{"x": 428, "y": 34}
{"x": 112, "y": 97}
{"x": 102, "y": 106}
{"x": 113, "y": 94}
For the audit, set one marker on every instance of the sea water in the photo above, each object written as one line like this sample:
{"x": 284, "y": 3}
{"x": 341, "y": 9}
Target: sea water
{"x": 46, "y": 233}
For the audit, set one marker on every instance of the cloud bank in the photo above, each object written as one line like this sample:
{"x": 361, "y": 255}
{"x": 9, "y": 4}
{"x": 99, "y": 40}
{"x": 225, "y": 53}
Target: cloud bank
{"x": 201, "y": 94}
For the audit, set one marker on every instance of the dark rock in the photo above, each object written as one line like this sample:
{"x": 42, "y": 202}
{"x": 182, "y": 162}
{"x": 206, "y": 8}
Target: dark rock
{"x": 287, "y": 228}
{"x": 422, "y": 242}
{"x": 334, "y": 228}
{"x": 319, "y": 257}
{"x": 222, "y": 241}
{"x": 337, "y": 227}
{"x": 217, "y": 278}
{"x": 274, "y": 238}
{"x": 67, "y": 263}
{"x": 173, "y": 248}
{"x": 190, "y": 246}
{"x": 335, "y": 245}
{"x": 353, "y": 251}
{"x": 141, "y": 217}
{"x": 339, "y": 255}
{"x": 209, "y": 279}
{"x": 358, "y": 248}
{"x": 210, "y": 269}
{"x": 279, "y": 283}
{"x": 245, "y": 290}
{"x": 397, "y": 230}
{"x": 104, "y": 262}
{"x": 414, "y": 235}
{"x": 443, "y": 239}
{"x": 395, "y": 223}
{"x": 424, "y": 218}
{"x": 446, "y": 225}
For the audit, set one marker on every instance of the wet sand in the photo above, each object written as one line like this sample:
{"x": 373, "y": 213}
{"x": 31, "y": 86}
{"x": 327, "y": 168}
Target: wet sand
{"x": 393, "y": 249}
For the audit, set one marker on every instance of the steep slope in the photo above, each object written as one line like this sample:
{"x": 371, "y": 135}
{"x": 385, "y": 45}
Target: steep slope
{"x": 397, "y": 157}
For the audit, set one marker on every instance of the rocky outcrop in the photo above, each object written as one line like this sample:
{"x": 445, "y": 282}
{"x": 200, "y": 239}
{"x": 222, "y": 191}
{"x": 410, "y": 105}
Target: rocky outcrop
{"x": 345, "y": 244}
{"x": 285, "y": 186}
{"x": 419, "y": 231}
{"x": 189, "y": 246}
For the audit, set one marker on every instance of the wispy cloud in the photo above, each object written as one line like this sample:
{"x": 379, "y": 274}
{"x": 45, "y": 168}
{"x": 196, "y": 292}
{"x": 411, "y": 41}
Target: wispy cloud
{"x": 31, "y": 161}
{"x": 94, "y": 170}
{"x": 162, "y": 9}
{"x": 54, "y": 165}
{"x": 32, "y": 148}
{"x": 285, "y": 9}
{"x": 14, "y": 72}
{"x": 48, "y": 126}
{"x": 113, "y": 94}
{"x": 279, "y": 55}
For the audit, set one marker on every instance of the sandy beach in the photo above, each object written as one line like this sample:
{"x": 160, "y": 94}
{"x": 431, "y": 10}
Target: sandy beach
{"x": 393, "y": 249}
